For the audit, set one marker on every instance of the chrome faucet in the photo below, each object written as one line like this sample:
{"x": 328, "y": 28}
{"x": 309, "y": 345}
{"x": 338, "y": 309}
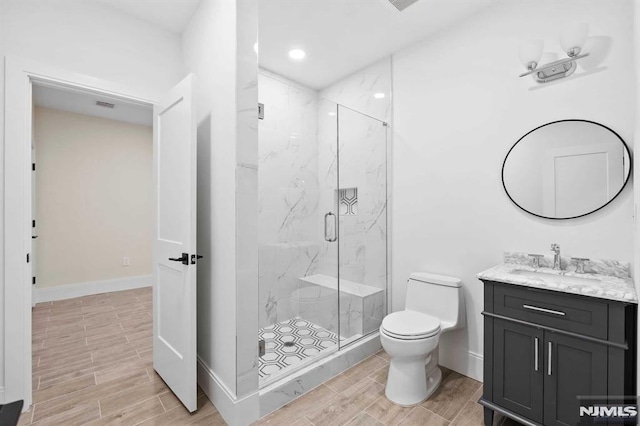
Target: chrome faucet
{"x": 555, "y": 248}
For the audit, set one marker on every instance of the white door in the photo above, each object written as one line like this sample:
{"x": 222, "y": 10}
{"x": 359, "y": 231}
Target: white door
{"x": 174, "y": 261}
{"x": 577, "y": 180}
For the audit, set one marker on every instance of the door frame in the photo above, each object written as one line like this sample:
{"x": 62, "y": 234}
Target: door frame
{"x": 20, "y": 75}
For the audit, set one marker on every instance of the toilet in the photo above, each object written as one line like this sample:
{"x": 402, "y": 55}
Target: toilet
{"x": 434, "y": 304}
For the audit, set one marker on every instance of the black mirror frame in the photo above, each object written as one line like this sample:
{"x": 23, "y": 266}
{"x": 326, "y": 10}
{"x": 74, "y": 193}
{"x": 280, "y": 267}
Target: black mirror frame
{"x": 626, "y": 147}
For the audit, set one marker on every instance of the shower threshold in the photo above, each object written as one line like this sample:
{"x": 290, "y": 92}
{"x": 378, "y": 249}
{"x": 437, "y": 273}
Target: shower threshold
{"x": 294, "y": 344}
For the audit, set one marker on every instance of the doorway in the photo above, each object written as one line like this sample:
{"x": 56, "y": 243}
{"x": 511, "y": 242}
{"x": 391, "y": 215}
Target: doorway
{"x": 174, "y": 131}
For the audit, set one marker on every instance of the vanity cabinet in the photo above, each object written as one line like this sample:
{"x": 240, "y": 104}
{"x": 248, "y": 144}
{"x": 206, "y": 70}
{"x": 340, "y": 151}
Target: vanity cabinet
{"x": 545, "y": 348}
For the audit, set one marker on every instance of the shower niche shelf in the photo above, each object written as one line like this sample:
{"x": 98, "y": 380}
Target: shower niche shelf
{"x": 348, "y": 201}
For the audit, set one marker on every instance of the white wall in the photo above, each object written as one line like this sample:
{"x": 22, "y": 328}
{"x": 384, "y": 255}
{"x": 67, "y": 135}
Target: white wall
{"x": 459, "y": 106}
{"x": 223, "y": 59}
{"x": 88, "y": 217}
{"x": 214, "y": 65}
{"x": 85, "y": 38}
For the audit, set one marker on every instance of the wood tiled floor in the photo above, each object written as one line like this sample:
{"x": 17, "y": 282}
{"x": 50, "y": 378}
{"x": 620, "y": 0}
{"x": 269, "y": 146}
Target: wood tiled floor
{"x": 356, "y": 397}
{"x": 92, "y": 364}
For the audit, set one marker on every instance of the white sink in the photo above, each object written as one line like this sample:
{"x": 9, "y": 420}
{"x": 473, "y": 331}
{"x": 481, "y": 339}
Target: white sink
{"x": 561, "y": 280}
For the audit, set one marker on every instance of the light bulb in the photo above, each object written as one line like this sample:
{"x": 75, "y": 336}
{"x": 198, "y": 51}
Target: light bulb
{"x": 530, "y": 53}
{"x": 297, "y": 54}
{"x": 572, "y": 38}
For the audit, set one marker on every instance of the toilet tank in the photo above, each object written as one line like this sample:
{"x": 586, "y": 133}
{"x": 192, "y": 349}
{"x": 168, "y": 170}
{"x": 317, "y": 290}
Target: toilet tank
{"x": 437, "y": 295}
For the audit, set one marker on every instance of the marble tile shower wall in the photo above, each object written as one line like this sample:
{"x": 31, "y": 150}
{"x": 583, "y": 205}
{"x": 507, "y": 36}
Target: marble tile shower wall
{"x": 288, "y": 191}
{"x": 297, "y": 186}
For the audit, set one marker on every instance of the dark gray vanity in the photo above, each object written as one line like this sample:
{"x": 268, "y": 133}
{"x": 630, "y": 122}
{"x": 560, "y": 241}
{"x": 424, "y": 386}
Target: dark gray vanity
{"x": 552, "y": 336}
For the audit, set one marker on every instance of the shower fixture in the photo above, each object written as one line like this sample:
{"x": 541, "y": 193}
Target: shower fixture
{"x": 402, "y": 4}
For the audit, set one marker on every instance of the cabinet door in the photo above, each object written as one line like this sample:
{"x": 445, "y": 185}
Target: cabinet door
{"x": 573, "y": 367}
{"x": 517, "y": 372}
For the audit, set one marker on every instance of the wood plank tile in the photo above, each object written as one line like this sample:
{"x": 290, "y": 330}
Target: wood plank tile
{"x": 61, "y": 375}
{"x": 146, "y": 353}
{"x": 169, "y": 400}
{"x": 49, "y": 361}
{"x": 71, "y": 341}
{"x": 116, "y": 352}
{"x": 348, "y": 404}
{"x": 95, "y": 330}
{"x": 471, "y": 415}
{"x": 97, "y": 309}
{"x": 78, "y": 415}
{"x": 382, "y": 354}
{"x": 420, "y": 416}
{"x": 380, "y": 375}
{"x": 25, "y": 418}
{"x": 121, "y": 369}
{"x": 70, "y": 401}
{"x": 363, "y": 419}
{"x": 180, "y": 415}
{"x": 133, "y": 414}
{"x": 144, "y": 334}
{"x": 387, "y": 412}
{"x": 355, "y": 374}
{"x": 100, "y": 318}
{"x": 128, "y": 396}
{"x": 452, "y": 395}
{"x": 214, "y": 419}
{"x": 64, "y": 388}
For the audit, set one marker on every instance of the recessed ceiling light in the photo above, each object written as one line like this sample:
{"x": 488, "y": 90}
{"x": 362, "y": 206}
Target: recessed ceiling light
{"x": 255, "y": 47}
{"x": 297, "y": 54}
{"x": 332, "y": 114}
{"x": 379, "y": 95}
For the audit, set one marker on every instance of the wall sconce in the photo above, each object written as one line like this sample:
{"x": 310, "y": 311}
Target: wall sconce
{"x": 572, "y": 39}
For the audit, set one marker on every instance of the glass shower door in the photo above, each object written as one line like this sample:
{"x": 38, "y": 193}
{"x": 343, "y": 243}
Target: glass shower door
{"x": 362, "y": 227}
{"x": 297, "y": 230}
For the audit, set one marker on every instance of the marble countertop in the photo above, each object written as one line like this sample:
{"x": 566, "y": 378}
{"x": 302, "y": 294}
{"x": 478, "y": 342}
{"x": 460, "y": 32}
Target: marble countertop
{"x": 603, "y": 286}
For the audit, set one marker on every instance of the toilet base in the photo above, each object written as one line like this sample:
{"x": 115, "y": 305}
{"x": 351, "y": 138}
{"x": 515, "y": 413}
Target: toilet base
{"x": 410, "y": 382}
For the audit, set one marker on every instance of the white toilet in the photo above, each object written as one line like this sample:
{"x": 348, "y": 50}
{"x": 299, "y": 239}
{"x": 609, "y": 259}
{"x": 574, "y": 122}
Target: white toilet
{"x": 434, "y": 304}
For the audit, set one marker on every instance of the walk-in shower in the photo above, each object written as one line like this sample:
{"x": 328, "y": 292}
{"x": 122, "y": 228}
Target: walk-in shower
{"x": 322, "y": 176}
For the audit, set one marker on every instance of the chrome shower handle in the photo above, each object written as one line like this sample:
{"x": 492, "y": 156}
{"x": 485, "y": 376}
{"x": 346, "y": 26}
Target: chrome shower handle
{"x": 327, "y": 237}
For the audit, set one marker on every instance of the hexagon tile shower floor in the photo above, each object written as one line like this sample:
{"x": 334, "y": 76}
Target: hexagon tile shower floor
{"x": 289, "y": 344}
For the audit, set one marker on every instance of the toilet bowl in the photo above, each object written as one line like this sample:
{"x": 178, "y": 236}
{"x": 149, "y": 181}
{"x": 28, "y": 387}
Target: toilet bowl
{"x": 434, "y": 304}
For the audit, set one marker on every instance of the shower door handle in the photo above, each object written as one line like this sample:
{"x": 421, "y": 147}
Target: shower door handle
{"x": 330, "y": 217}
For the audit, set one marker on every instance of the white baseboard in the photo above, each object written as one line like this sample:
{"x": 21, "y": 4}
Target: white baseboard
{"x": 467, "y": 363}
{"x": 236, "y": 412}
{"x": 69, "y": 291}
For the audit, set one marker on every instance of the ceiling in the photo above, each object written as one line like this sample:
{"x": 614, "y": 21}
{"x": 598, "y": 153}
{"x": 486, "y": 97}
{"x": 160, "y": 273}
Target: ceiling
{"x": 85, "y": 103}
{"x": 343, "y": 36}
{"x": 171, "y": 15}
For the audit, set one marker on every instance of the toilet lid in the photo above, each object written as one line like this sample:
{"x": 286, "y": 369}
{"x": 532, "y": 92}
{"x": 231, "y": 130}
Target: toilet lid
{"x": 410, "y": 325}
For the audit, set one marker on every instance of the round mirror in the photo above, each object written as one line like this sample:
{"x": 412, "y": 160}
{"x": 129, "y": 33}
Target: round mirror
{"x": 566, "y": 169}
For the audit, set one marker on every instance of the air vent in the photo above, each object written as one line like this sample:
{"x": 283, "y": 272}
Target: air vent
{"x": 402, "y": 4}
{"x": 105, "y": 104}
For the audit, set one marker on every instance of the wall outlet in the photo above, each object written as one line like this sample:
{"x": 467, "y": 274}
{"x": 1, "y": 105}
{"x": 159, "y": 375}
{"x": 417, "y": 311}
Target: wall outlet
{"x": 126, "y": 261}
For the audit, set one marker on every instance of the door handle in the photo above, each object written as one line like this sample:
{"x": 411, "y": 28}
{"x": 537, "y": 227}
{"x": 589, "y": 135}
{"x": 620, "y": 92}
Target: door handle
{"x": 546, "y": 311}
{"x": 549, "y": 360}
{"x": 195, "y": 257}
{"x": 184, "y": 259}
{"x": 535, "y": 355}
{"x": 33, "y": 237}
{"x": 326, "y": 234}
